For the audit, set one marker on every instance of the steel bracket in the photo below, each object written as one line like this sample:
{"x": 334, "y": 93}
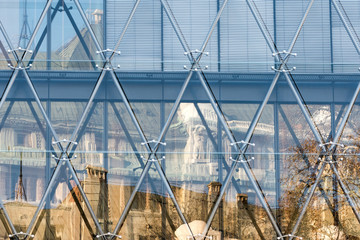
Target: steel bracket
{"x": 64, "y": 140}
{"x": 331, "y": 143}
{"x": 243, "y": 142}
{"x": 107, "y": 68}
{"x": 327, "y": 160}
{"x": 289, "y": 236}
{"x": 196, "y": 68}
{"x": 20, "y": 49}
{"x": 109, "y": 234}
{"x": 20, "y": 67}
{"x": 196, "y": 51}
{"x": 286, "y": 53}
{"x": 154, "y": 141}
{"x": 283, "y": 70}
{"x": 21, "y": 235}
{"x": 199, "y": 235}
{"x": 109, "y": 50}
{"x": 242, "y": 161}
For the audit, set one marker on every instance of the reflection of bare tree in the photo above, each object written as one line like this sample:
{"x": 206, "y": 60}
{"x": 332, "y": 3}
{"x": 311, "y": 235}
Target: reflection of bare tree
{"x": 329, "y": 215}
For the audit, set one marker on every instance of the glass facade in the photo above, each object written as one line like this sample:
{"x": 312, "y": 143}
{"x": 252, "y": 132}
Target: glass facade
{"x": 226, "y": 119}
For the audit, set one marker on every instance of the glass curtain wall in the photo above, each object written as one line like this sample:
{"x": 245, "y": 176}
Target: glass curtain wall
{"x": 164, "y": 119}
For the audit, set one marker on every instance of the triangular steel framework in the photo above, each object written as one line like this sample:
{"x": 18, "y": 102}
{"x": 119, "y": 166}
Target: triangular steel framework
{"x": 194, "y": 56}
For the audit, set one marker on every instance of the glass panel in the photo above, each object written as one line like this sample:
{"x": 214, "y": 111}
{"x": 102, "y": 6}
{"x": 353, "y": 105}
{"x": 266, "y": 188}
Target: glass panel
{"x": 240, "y": 214}
{"x": 141, "y": 46}
{"x": 242, "y": 46}
{"x": 24, "y": 181}
{"x": 19, "y": 19}
{"x": 194, "y": 27}
{"x": 110, "y": 158}
{"x": 71, "y": 46}
{"x": 65, "y": 215}
{"x": 344, "y": 52}
{"x": 195, "y": 183}
{"x": 152, "y": 214}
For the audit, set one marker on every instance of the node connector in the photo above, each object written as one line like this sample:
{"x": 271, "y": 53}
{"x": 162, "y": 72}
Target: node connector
{"x": 65, "y": 141}
{"x": 21, "y": 235}
{"x": 196, "y": 51}
{"x": 109, "y": 50}
{"x": 242, "y": 160}
{"x": 285, "y": 53}
{"x": 198, "y": 236}
{"x": 196, "y": 68}
{"x": 154, "y": 141}
{"x": 109, "y": 234}
{"x": 151, "y": 159}
{"x": 20, "y": 49}
{"x": 242, "y": 142}
{"x": 64, "y": 157}
{"x": 289, "y": 236}
{"x": 107, "y": 68}
{"x": 19, "y": 67}
{"x": 331, "y": 143}
{"x": 283, "y": 70}
{"x": 328, "y": 160}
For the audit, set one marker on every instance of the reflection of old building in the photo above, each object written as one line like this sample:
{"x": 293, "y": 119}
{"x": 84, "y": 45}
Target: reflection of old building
{"x": 152, "y": 214}
{"x": 191, "y": 167}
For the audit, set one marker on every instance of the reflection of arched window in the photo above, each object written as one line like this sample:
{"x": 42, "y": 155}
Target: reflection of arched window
{"x": 20, "y": 138}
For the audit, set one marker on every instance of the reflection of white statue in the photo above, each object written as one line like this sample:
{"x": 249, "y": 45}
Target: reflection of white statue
{"x": 196, "y": 143}
{"x": 197, "y": 228}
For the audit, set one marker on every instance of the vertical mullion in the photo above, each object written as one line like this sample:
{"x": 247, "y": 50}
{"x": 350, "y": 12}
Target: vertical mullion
{"x": 218, "y": 39}
{"x": 277, "y": 163}
{"x": 162, "y": 36}
{"x": 48, "y": 40}
{"x": 331, "y": 39}
{"x": 275, "y": 30}
{"x": 334, "y": 178}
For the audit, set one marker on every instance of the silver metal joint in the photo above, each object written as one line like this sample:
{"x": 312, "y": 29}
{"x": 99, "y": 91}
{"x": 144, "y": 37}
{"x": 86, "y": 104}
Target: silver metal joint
{"x": 289, "y": 236}
{"x": 331, "y": 143}
{"x": 198, "y": 236}
{"x": 20, "y": 67}
{"x": 109, "y": 50}
{"x": 151, "y": 159}
{"x": 196, "y": 51}
{"x": 196, "y": 68}
{"x": 241, "y": 160}
{"x": 64, "y": 140}
{"x": 64, "y": 158}
{"x": 108, "y": 234}
{"x": 107, "y": 68}
{"x": 283, "y": 70}
{"x": 20, "y": 49}
{"x": 285, "y": 53}
{"x": 242, "y": 142}
{"x": 328, "y": 160}
{"x": 154, "y": 141}
{"x": 21, "y": 235}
